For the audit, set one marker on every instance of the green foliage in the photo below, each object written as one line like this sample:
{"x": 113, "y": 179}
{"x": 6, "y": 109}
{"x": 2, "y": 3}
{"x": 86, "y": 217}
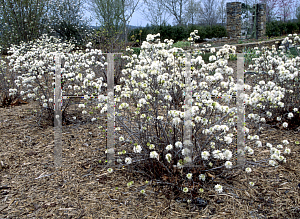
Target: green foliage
{"x": 294, "y": 52}
{"x": 106, "y": 40}
{"x": 278, "y": 28}
{"x": 182, "y": 44}
{"x": 205, "y": 56}
{"x": 178, "y": 33}
{"x": 136, "y": 50}
{"x": 292, "y": 27}
{"x": 232, "y": 57}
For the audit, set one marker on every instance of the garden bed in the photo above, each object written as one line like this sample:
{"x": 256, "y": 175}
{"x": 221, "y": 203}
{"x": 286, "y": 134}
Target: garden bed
{"x": 32, "y": 188}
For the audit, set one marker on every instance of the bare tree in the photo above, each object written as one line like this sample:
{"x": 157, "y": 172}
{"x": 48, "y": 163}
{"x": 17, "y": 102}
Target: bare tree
{"x": 155, "y": 12}
{"x": 66, "y": 19}
{"x": 192, "y": 11}
{"x": 114, "y": 15}
{"x": 270, "y": 7}
{"x": 209, "y": 14}
{"x": 298, "y": 13}
{"x": 222, "y": 11}
{"x": 285, "y": 9}
{"x": 175, "y": 8}
{"x": 22, "y": 20}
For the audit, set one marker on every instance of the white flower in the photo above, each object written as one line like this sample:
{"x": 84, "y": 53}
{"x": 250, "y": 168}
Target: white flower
{"x": 137, "y": 149}
{"x": 218, "y": 154}
{"x": 176, "y": 121}
{"x": 189, "y": 175}
{"x": 218, "y": 188}
{"x": 202, "y": 177}
{"x": 160, "y": 118}
{"x": 227, "y": 154}
{"x": 187, "y": 159}
{"x": 128, "y": 160}
{"x": 227, "y": 139}
{"x": 228, "y": 164}
{"x": 285, "y": 124}
{"x": 45, "y": 104}
{"x": 250, "y": 151}
{"x": 185, "y": 189}
{"x": 121, "y": 138}
{"x": 290, "y": 115}
{"x": 205, "y": 155}
{"x": 178, "y": 144}
{"x": 295, "y": 109}
{"x": 169, "y": 147}
{"x": 169, "y": 157}
{"x": 287, "y": 151}
{"x": 248, "y": 170}
{"x": 110, "y": 170}
{"x": 269, "y": 145}
{"x": 272, "y": 162}
{"x": 84, "y": 112}
{"x": 153, "y": 154}
{"x": 251, "y": 183}
{"x": 185, "y": 151}
{"x": 258, "y": 143}
{"x": 168, "y": 97}
{"x": 285, "y": 142}
{"x": 279, "y": 146}
{"x": 142, "y": 101}
{"x": 151, "y": 146}
{"x": 93, "y": 119}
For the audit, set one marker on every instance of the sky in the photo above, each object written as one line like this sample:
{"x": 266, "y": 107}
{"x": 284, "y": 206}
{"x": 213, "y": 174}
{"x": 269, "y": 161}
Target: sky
{"x": 137, "y": 19}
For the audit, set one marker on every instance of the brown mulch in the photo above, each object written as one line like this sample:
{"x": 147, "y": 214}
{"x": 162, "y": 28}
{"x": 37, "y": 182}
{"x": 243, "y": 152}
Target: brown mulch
{"x": 31, "y": 187}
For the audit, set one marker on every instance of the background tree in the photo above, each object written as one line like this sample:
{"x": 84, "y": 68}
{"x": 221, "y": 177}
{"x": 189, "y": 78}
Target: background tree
{"x": 208, "y": 12}
{"x": 297, "y": 11}
{"x": 108, "y": 13}
{"x": 222, "y": 11}
{"x": 175, "y": 8}
{"x": 285, "y": 9}
{"x": 155, "y": 13}
{"x": 128, "y": 8}
{"x": 270, "y": 9}
{"x": 114, "y": 15}
{"x": 22, "y": 20}
{"x": 192, "y": 11}
{"x": 66, "y": 19}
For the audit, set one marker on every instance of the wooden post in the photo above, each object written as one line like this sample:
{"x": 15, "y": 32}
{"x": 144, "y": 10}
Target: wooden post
{"x": 240, "y": 110}
{"x": 57, "y": 114}
{"x": 187, "y": 135}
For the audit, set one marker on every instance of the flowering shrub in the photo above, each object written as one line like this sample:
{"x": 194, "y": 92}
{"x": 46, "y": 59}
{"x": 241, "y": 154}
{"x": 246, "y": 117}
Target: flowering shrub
{"x": 33, "y": 66}
{"x": 276, "y": 89}
{"x": 150, "y": 107}
{"x": 150, "y": 117}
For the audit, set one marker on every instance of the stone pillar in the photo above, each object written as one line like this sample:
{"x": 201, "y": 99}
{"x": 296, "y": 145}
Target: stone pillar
{"x": 261, "y": 20}
{"x": 234, "y": 19}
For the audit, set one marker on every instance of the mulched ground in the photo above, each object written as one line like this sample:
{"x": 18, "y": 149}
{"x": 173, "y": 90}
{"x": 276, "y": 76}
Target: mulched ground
{"x": 31, "y": 187}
